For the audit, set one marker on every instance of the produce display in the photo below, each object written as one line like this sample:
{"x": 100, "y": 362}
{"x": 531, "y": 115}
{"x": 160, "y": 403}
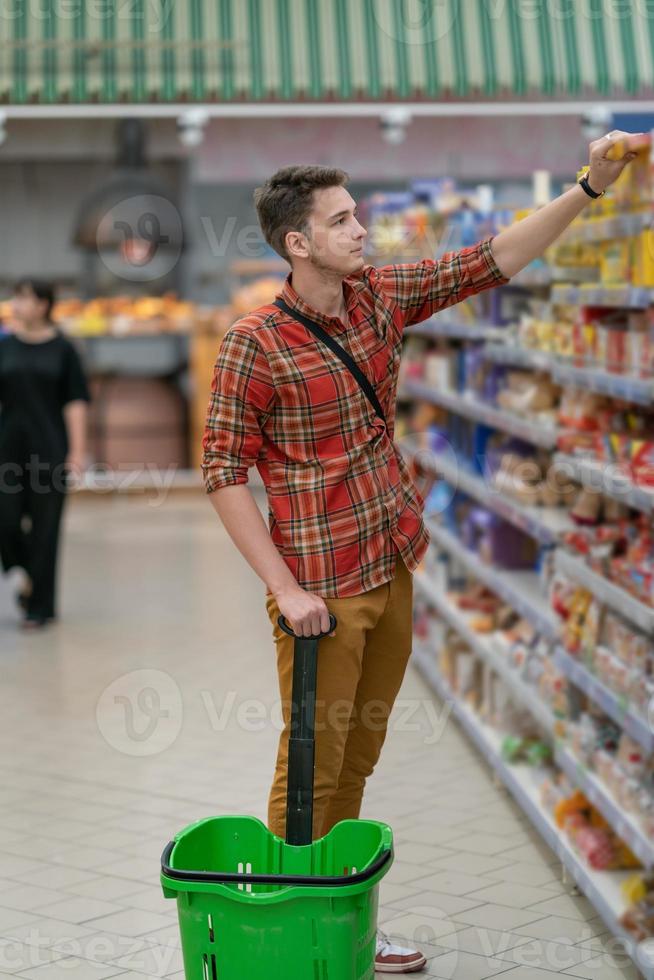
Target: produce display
{"x": 125, "y": 315}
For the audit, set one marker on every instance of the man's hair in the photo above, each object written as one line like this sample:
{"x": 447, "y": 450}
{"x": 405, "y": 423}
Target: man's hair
{"x": 284, "y": 202}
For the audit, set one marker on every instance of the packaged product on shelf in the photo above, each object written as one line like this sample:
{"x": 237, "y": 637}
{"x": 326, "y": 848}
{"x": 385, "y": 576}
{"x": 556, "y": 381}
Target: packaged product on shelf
{"x": 642, "y": 259}
{"x": 421, "y": 619}
{"x": 554, "y": 789}
{"x": 591, "y": 734}
{"x": 641, "y": 342}
{"x": 508, "y": 715}
{"x": 468, "y": 678}
{"x": 528, "y": 475}
{"x": 554, "y": 689}
{"x": 631, "y": 646}
{"x": 620, "y": 656}
{"x": 530, "y": 749}
{"x": 440, "y": 369}
{"x": 638, "y": 920}
{"x": 615, "y": 261}
{"x": 475, "y": 368}
{"x": 592, "y": 836}
{"x": 498, "y": 542}
{"x": 529, "y": 392}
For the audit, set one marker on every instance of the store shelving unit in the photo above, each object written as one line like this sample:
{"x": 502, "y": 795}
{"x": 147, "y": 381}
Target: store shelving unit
{"x": 593, "y": 789}
{"x": 606, "y": 591}
{"x": 607, "y": 478}
{"x": 616, "y": 706}
{"x": 484, "y": 649}
{"x": 628, "y": 828}
{"x": 629, "y": 297}
{"x": 514, "y": 354}
{"x": 601, "y": 888}
{"x": 523, "y": 590}
{"x": 520, "y": 589}
{"x": 603, "y": 229}
{"x": 545, "y": 524}
{"x": 625, "y": 386}
{"x": 472, "y": 408}
{"x": 441, "y": 325}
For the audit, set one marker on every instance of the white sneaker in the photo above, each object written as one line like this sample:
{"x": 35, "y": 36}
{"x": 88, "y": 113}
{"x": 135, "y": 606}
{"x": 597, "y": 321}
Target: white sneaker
{"x": 396, "y": 959}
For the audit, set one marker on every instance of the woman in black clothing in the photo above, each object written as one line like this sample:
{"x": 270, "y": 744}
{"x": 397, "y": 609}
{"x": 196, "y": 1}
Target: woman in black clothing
{"x": 43, "y": 403}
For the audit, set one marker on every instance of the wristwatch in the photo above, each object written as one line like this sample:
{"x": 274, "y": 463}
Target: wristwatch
{"x": 586, "y": 186}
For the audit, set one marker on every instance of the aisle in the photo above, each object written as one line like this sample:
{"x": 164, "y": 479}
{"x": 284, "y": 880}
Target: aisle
{"x": 105, "y": 764}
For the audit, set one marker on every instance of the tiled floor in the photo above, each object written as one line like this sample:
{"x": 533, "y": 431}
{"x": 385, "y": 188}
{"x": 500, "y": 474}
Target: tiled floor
{"x": 152, "y": 704}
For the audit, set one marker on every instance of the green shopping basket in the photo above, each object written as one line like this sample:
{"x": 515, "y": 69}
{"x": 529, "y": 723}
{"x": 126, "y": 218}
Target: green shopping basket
{"x": 252, "y": 906}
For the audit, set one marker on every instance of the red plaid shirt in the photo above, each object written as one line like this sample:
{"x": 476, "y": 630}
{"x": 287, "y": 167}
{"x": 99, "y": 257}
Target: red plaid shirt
{"x": 341, "y": 501}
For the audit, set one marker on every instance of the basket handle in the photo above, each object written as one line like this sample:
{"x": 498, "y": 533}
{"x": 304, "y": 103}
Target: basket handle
{"x": 282, "y": 622}
{"x": 301, "y": 743}
{"x": 224, "y": 877}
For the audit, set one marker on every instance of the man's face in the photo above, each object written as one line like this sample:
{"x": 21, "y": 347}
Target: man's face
{"x": 335, "y": 239}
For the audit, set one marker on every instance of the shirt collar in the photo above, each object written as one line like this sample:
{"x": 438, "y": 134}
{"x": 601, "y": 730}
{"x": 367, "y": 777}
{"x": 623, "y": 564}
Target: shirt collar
{"x": 333, "y": 324}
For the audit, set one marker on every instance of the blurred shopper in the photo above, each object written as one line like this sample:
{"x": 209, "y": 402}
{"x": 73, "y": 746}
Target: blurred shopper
{"x": 43, "y": 404}
{"x": 345, "y": 519}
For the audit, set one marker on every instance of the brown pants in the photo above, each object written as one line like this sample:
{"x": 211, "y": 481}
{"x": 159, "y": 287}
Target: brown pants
{"x": 360, "y": 671}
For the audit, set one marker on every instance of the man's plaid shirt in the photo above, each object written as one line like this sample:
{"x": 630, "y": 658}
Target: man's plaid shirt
{"x": 341, "y": 501}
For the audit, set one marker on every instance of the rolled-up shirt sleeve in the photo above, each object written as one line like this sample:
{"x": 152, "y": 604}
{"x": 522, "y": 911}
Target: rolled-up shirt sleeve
{"x": 242, "y": 395}
{"x": 421, "y": 289}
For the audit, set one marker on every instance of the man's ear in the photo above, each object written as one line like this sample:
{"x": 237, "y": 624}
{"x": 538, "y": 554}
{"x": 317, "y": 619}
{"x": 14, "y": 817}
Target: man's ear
{"x": 296, "y": 244}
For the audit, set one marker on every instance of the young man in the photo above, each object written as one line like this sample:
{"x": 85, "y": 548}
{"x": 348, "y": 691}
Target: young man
{"x": 345, "y": 519}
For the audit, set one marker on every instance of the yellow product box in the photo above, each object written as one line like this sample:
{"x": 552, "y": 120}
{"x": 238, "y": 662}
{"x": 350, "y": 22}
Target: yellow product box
{"x": 562, "y": 340}
{"x": 590, "y": 255}
{"x": 608, "y": 206}
{"x": 634, "y": 185}
{"x": 642, "y": 258}
{"x": 615, "y": 260}
{"x": 544, "y": 335}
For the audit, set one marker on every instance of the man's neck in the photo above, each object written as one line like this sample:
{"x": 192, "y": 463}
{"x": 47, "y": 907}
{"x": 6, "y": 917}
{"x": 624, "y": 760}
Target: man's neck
{"x": 321, "y": 291}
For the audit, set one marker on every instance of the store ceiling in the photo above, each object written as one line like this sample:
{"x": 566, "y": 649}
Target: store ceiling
{"x": 165, "y": 51}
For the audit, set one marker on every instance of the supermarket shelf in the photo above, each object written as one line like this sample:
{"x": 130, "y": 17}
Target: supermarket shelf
{"x": 513, "y": 353}
{"x": 545, "y": 275}
{"x": 635, "y": 297}
{"x": 625, "y": 826}
{"x": 607, "y": 478}
{"x": 606, "y": 591}
{"x": 472, "y": 408}
{"x": 484, "y": 649}
{"x": 440, "y": 326}
{"x": 593, "y": 789}
{"x": 626, "y": 386}
{"x": 520, "y": 589}
{"x": 603, "y": 229}
{"x": 546, "y": 524}
{"x": 614, "y": 705}
{"x": 532, "y": 278}
{"x": 602, "y": 888}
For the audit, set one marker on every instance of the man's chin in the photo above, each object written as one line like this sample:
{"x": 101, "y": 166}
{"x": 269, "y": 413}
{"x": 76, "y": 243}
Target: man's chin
{"x": 357, "y": 263}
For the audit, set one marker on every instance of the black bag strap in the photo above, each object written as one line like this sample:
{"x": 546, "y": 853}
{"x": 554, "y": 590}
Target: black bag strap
{"x": 347, "y": 360}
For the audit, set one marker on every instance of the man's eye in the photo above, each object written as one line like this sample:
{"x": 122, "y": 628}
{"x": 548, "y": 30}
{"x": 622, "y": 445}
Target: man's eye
{"x": 340, "y": 221}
